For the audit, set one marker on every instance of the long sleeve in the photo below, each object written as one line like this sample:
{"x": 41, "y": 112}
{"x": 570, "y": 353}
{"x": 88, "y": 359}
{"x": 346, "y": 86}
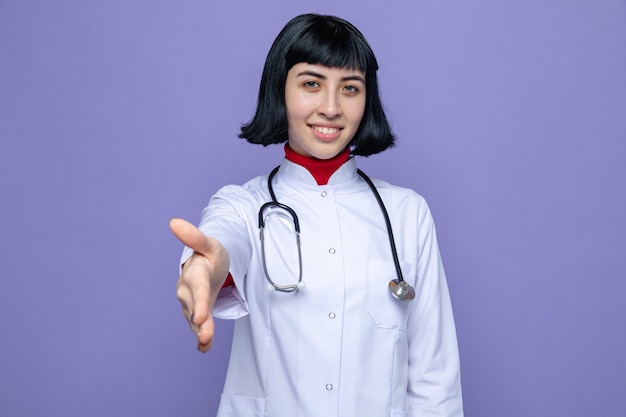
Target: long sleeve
{"x": 223, "y": 220}
{"x": 434, "y": 371}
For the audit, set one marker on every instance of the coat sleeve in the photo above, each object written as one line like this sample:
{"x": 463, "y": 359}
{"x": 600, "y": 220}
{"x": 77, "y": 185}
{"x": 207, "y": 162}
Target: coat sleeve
{"x": 434, "y": 385}
{"x": 225, "y": 219}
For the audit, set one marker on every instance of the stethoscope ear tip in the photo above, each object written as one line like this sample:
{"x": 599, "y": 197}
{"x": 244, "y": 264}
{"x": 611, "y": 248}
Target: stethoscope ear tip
{"x": 301, "y": 285}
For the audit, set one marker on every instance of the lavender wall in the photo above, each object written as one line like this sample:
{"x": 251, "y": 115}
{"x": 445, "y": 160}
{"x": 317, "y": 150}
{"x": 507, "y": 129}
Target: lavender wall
{"x": 116, "y": 116}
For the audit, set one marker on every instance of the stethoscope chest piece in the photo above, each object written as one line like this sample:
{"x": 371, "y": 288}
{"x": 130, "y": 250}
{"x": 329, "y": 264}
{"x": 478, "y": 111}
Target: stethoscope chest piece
{"x": 401, "y": 290}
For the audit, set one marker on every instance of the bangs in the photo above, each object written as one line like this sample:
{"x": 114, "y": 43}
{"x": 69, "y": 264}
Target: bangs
{"x": 332, "y": 45}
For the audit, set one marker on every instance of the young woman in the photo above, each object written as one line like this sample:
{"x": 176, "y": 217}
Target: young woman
{"x": 334, "y": 281}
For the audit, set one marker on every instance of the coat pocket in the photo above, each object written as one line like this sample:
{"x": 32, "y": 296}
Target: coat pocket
{"x": 386, "y": 311}
{"x": 240, "y": 406}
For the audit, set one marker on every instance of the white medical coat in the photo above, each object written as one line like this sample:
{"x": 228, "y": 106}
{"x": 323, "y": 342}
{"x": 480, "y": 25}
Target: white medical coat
{"x": 342, "y": 346}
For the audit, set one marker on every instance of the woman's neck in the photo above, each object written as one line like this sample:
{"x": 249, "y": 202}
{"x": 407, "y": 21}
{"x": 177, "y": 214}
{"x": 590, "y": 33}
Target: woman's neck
{"x": 320, "y": 169}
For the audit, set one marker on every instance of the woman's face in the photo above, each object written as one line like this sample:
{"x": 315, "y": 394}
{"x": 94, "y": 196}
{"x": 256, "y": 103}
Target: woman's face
{"x": 325, "y": 106}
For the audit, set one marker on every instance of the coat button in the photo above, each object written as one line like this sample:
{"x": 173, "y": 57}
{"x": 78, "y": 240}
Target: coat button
{"x": 324, "y": 194}
{"x": 332, "y": 251}
{"x": 329, "y": 387}
{"x": 331, "y": 316}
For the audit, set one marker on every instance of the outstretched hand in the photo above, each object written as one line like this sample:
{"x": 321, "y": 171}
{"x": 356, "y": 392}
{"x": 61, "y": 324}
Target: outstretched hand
{"x": 202, "y": 276}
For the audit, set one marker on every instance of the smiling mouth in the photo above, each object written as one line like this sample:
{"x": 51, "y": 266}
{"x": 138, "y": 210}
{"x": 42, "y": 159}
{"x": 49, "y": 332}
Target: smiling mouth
{"x": 326, "y": 130}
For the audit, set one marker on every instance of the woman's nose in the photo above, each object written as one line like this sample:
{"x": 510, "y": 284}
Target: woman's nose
{"x": 329, "y": 106}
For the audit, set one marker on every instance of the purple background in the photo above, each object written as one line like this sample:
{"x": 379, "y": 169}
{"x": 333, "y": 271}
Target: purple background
{"x": 117, "y": 115}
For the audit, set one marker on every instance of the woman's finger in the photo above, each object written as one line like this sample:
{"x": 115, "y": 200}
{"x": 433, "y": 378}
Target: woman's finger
{"x": 190, "y": 236}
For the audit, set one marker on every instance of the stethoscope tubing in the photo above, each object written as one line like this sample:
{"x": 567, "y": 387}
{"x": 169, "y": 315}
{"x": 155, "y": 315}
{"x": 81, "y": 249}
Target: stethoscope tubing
{"x": 399, "y": 288}
{"x": 392, "y": 241}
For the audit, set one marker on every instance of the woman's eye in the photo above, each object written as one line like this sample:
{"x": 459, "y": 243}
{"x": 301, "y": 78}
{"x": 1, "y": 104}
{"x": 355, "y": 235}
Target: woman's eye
{"x": 351, "y": 89}
{"x": 311, "y": 84}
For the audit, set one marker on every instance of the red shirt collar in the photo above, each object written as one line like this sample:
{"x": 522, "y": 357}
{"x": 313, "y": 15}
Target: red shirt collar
{"x": 320, "y": 169}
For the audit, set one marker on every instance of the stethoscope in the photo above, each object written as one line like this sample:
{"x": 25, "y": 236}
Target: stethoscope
{"x": 398, "y": 287}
